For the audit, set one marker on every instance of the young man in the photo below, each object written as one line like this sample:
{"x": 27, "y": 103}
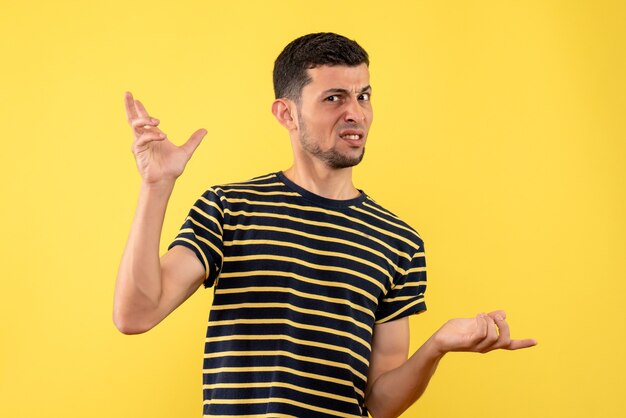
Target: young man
{"x": 314, "y": 281}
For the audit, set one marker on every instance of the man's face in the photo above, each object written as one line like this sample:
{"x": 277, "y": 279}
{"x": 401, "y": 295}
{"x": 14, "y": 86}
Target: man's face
{"x": 335, "y": 114}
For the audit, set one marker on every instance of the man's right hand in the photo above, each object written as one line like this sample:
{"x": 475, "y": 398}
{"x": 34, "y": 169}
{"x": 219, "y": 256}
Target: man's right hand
{"x": 158, "y": 160}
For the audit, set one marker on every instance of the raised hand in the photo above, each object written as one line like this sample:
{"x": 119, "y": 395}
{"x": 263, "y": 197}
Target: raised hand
{"x": 158, "y": 159}
{"x": 481, "y": 334}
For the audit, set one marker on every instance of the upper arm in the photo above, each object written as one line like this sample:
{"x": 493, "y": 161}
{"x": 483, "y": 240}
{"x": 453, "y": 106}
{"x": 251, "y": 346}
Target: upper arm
{"x": 138, "y": 307}
{"x": 390, "y": 348}
{"x": 181, "y": 275}
{"x": 195, "y": 256}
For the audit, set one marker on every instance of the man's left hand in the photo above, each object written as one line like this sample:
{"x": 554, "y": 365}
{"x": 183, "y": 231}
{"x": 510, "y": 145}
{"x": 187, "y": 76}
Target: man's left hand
{"x": 481, "y": 334}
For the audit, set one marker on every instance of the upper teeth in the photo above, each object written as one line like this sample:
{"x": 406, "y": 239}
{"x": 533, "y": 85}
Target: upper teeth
{"x": 351, "y": 136}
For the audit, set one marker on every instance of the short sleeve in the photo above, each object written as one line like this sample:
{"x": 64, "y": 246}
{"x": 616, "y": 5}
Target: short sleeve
{"x": 202, "y": 233}
{"x": 406, "y": 296}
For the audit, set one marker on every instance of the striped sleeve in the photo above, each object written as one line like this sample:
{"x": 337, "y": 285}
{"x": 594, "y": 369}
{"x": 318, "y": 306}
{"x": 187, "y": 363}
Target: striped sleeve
{"x": 202, "y": 233}
{"x": 406, "y": 297}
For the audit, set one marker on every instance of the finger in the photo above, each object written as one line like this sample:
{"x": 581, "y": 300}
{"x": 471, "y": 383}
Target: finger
{"x": 482, "y": 325}
{"x": 145, "y": 129}
{"x": 148, "y": 137}
{"x": 499, "y": 313}
{"x": 192, "y": 143}
{"x": 517, "y": 344}
{"x": 141, "y": 110}
{"x": 479, "y": 333}
{"x": 129, "y": 104}
{"x": 504, "y": 338}
{"x": 491, "y": 337}
{"x": 144, "y": 123}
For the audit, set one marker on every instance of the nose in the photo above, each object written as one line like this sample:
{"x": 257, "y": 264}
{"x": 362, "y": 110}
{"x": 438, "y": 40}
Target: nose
{"x": 354, "y": 112}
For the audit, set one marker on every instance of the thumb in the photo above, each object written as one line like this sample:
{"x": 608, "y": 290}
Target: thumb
{"x": 194, "y": 140}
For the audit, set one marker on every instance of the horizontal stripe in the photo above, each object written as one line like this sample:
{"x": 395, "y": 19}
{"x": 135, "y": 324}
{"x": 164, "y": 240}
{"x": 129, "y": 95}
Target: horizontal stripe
{"x": 344, "y": 270}
{"x": 294, "y": 324}
{"x": 298, "y": 293}
{"x": 280, "y": 400}
{"x": 416, "y": 269}
{"x": 211, "y": 203}
{"x": 328, "y": 212}
{"x": 217, "y": 224}
{"x": 253, "y": 180}
{"x": 304, "y": 279}
{"x": 199, "y": 238}
{"x": 223, "y": 385}
{"x": 410, "y": 284}
{"x": 398, "y": 299}
{"x": 274, "y": 353}
{"x": 256, "y": 192}
{"x": 377, "y": 208}
{"x": 320, "y": 224}
{"x": 309, "y": 343}
{"x": 289, "y": 306}
{"x": 200, "y": 225}
{"x": 321, "y": 238}
{"x": 271, "y": 369}
{"x": 232, "y": 186}
{"x": 318, "y": 252}
{"x": 387, "y": 221}
{"x": 399, "y": 311}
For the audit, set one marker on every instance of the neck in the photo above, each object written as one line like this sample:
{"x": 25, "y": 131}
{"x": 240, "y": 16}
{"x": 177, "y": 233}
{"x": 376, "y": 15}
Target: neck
{"x": 324, "y": 181}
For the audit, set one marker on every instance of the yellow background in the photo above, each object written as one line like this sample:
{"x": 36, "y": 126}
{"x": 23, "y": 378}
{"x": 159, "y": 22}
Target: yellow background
{"x": 499, "y": 134}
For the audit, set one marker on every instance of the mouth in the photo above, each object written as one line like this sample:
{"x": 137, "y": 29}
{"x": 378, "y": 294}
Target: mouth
{"x": 354, "y": 137}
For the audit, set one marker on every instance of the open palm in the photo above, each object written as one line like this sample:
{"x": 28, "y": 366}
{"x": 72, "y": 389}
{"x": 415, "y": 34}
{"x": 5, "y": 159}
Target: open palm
{"x": 157, "y": 158}
{"x": 483, "y": 333}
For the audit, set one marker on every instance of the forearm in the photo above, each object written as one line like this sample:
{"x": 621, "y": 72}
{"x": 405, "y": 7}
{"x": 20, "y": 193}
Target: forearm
{"x": 396, "y": 390}
{"x": 139, "y": 286}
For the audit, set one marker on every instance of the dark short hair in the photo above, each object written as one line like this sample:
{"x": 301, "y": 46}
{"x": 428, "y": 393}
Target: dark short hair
{"x": 310, "y": 51}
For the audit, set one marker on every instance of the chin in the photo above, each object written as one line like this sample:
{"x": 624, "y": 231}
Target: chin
{"x": 339, "y": 161}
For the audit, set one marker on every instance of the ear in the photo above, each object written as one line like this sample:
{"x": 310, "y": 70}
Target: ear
{"x": 284, "y": 112}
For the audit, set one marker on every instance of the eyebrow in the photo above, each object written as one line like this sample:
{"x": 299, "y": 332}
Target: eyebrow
{"x": 346, "y": 91}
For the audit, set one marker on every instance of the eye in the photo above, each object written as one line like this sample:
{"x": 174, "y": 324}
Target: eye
{"x": 333, "y": 98}
{"x": 365, "y": 97}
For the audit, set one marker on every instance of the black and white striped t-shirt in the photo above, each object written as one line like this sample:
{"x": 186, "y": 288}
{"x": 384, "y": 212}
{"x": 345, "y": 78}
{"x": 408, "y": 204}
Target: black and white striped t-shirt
{"x": 300, "y": 281}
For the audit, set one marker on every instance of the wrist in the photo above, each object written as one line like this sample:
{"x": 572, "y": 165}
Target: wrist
{"x": 157, "y": 187}
{"x": 435, "y": 348}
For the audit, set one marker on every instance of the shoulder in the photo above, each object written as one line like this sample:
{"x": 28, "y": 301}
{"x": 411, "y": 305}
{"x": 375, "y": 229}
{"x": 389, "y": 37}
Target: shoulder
{"x": 263, "y": 190}
{"x": 383, "y": 219}
{"x": 256, "y": 185}
{"x": 265, "y": 182}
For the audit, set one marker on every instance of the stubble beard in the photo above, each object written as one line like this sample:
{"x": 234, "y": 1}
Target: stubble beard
{"x": 333, "y": 158}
